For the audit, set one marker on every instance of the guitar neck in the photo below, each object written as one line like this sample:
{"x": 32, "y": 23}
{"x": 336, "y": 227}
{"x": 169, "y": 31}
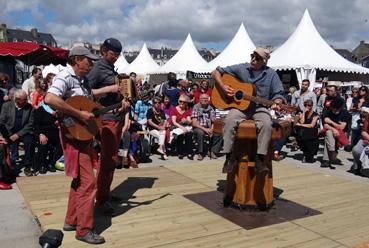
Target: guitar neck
{"x": 102, "y": 111}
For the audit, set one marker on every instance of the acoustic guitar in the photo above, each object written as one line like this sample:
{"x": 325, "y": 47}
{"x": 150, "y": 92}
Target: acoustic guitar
{"x": 243, "y": 97}
{"x": 73, "y": 128}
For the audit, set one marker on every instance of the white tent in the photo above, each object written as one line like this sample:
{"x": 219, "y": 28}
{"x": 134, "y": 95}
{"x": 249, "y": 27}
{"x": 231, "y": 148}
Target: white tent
{"x": 52, "y": 69}
{"x": 143, "y": 63}
{"x": 120, "y": 64}
{"x": 237, "y": 51}
{"x": 187, "y": 58}
{"x": 305, "y": 52}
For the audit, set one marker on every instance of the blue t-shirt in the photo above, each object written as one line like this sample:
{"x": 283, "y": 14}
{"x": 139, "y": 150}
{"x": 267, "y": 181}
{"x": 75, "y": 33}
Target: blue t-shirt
{"x": 141, "y": 109}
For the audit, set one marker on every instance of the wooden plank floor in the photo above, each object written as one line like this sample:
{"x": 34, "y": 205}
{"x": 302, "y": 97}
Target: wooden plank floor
{"x": 157, "y": 215}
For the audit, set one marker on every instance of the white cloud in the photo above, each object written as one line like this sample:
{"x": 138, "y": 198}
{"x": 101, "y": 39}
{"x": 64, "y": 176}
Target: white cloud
{"x": 341, "y": 23}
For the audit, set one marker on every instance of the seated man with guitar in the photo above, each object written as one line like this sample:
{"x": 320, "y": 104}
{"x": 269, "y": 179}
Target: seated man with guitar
{"x": 263, "y": 81}
{"x": 79, "y": 154}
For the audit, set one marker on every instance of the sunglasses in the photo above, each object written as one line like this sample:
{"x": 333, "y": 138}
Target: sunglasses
{"x": 256, "y": 57}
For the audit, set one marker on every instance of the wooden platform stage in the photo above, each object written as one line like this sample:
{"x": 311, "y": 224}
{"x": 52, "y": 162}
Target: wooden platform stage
{"x": 158, "y": 210}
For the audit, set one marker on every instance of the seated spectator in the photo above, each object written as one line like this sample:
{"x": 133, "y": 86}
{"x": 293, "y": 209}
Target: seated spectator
{"x": 362, "y": 144}
{"x": 203, "y": 89}
{"x": 336, "y": 121}
{"x": 48, "y": 148}
{"x": 126, "y": 140}
{"x": 181, "y": 120}
{"x": 17, "y": 116}
{"x": 167, "y": 108}
{"x": 307, "y": 132}
{"x": 157, "y": 125}
{"x": 203, "y": 116}
{"x": 141, "y": 108}
{"x": 5, "y": 166}
{"x": 4, "y": 81}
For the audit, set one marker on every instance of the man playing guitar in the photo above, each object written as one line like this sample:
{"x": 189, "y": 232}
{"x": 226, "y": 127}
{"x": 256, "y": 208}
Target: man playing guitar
{"x": 268, "y": 86}
{"x": 79, "y": 155}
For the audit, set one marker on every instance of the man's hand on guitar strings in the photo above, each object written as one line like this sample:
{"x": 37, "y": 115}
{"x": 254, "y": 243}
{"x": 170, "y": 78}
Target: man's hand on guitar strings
{"x": 228, "y": 90}
{"x": 85, "y": 116}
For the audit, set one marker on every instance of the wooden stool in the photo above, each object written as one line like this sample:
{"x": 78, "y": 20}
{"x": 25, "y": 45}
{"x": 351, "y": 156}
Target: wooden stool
{"x": 245, "y": 187}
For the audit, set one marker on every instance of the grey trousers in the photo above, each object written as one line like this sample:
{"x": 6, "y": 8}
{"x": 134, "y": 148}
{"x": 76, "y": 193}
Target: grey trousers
{"x": 356, "y": 153}
{"x": 329, "y": 144}
{"x": 215, "y": 141}
{"x": 263, "y": 125}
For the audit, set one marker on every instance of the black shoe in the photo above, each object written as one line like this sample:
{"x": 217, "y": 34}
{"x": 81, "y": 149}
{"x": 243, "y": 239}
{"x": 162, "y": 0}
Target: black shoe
{"x": 332, "y": 167}
{"x": 28, "y": 172}
{"x": 43, "y": 170}
{"x": 325, "y": 164}
{"x": 180, "y": 156}
{"x": 227, "y": 202}
{"x": 106, "y": 209}
{"x": 51, "y": 168}
{"x": 190, "y": 156}
{"x": 69, "y": 228}
{"x": 92, "y": 238}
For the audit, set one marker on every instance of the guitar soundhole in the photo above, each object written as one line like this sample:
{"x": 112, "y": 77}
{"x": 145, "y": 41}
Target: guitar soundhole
{"x": 239, "y": 95}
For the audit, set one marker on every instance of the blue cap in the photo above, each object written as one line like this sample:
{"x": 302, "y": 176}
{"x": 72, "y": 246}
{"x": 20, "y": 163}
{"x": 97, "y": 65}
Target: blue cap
{"x": 113, "y": 45}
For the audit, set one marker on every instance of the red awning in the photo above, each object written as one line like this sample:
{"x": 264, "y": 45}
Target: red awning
{"x": 34, "y": 54}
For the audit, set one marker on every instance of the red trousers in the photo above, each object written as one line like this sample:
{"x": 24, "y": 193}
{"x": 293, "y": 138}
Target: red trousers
{"x": 82, "y": 192}
{"x": 110, "y": 135}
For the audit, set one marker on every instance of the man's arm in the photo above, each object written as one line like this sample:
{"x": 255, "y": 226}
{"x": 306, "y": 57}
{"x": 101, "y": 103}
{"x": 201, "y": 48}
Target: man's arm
{"x": 59, "y": 104}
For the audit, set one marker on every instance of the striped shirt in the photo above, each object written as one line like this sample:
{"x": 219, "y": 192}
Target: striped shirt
{"x": 67, "y": 84}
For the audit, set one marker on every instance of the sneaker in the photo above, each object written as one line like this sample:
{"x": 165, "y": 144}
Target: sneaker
{"x": 325, "y": 164}
{"x": 213, "y": 155}
{"x": 91, "y": 238}
{"x": 69, "y": 228}
{"x": 200, "y": 157}
{"x": 28, "y": 172}
{"x": 106, "y": 208}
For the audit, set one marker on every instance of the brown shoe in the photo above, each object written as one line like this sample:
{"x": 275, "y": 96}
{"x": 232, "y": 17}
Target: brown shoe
{"x": 213, "y": 155}
{"x": 28, "y": 172}
{"x": 125, "y": 163}
{"x": 133, "y": 164}
{"x": 200, "y": 157}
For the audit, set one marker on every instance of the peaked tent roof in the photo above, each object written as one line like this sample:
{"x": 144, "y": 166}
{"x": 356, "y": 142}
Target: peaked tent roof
{"x": 143, "y": 63}
{"x": 187, "y": 58}
{"x": 237, "y": 51}
{"x": 305, "y": 48}
{"x": 121, "y": 63}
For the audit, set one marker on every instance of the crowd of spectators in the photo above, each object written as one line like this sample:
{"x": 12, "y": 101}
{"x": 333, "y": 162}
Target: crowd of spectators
{"x": 175, "y": 118}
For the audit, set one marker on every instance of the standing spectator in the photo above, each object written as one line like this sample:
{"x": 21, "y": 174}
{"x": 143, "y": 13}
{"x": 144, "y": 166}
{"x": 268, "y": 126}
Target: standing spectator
{"x": 29, "y": 85}
{"x": 321, "y": 100}
{"x": 157, "y": 124}
{"x": 169, "y": 88}
{"x": 40, "y": 92}
{"x": 350, "y": 101}
{"x": 300, "y": 96}
{"x": 291, "y": 91}
{"x": 203, "y": 89}
{"x": 357, "y": 103}
{"x": 203, "y": 116}
{"x": 181, "y": 119}
{"x": 17, "y": 116}
{"x": 307, "y": 132}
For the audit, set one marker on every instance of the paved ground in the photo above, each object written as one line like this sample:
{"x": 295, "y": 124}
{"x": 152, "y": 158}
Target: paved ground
{"x": 19, "y": 229}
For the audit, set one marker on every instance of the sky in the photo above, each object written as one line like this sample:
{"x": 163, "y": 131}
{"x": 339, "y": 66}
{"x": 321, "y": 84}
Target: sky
{"x": 211, "y": 23}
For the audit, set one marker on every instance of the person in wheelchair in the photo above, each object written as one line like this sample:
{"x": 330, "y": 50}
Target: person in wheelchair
{"x": 157, "y": 125}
